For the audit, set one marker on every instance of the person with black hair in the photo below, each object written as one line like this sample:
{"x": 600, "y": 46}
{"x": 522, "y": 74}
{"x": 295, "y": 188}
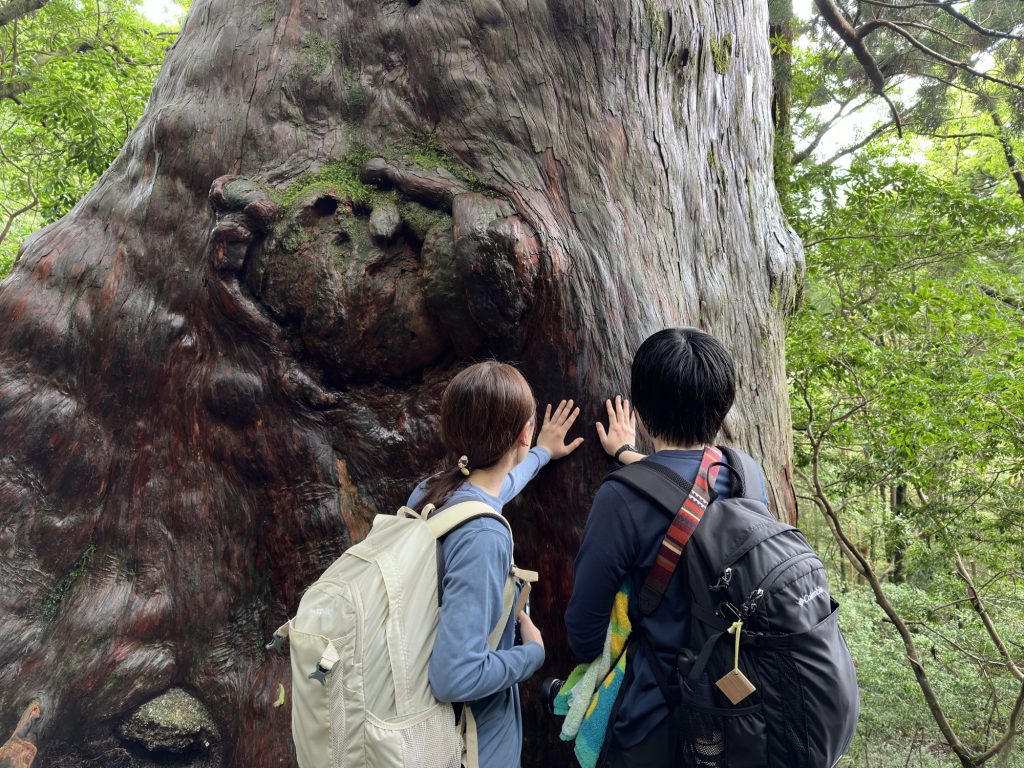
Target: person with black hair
{"x": 682, "y": 386}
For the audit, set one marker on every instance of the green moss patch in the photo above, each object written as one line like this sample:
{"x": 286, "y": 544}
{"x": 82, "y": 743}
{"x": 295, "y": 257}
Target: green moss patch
{"x": 721, "y": 52}
{"x": 340, "y": 179}
{"x": 429, "y": 155}
{"x": 320, "y": 52}
{"x": 65, "y": 585}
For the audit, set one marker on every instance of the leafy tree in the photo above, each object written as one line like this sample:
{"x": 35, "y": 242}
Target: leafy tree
{"x": 936, "y": 64}
{"x": 905, "y": 365}
{"x": 74, "y": 79}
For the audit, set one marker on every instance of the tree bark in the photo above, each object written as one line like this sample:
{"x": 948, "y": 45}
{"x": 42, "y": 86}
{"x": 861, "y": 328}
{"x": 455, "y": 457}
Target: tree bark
{"x": 229, "y": 356}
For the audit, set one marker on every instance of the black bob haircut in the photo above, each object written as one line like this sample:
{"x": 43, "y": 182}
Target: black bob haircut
{"x": 683, "y": 383}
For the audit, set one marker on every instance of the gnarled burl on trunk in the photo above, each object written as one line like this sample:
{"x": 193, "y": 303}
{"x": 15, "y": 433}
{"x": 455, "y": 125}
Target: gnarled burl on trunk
{"x": 229, "y": 356}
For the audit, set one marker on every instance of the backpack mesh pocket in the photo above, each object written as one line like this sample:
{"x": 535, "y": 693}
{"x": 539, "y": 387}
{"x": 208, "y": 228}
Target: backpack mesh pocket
{"x": 712, "y": 737}
{"x": 339, "y": 729}
{"x": 427, "y": 740}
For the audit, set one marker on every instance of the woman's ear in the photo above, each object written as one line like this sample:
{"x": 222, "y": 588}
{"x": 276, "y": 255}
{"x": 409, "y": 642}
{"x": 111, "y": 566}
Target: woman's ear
{"x": 526, "y": 434}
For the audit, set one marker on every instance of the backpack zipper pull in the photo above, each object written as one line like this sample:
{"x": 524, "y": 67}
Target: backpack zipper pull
{"x": 734, "y": 684}
{"x": 748, "y": 608}
{"x": 724, "y": 580}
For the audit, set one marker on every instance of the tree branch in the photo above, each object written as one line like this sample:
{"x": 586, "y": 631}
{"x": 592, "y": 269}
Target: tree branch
{"x": 1008, "y": 153}
{"x": 979, "y": 608}
{"x": 1009, "y": 735}
{"x": 838, "y": 23}
{"x": 992, "y": 293}
{"x": 860, "y": 560}
{"x": 19, "y": 9}
{"x": 868, "y": 27}
{"x": 10, "y": 219}
{"x": 948, "y": 8}
{"x": 11, "y": 90}
{"x": 977, "y": 135}
{"x": 860, "y": 144}
{"x": 940, "y": 57}
{"x": 841, "y": 114}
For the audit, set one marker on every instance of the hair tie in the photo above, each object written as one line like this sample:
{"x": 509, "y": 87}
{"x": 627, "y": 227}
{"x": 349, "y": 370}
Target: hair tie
{"x": 464, "y": 465}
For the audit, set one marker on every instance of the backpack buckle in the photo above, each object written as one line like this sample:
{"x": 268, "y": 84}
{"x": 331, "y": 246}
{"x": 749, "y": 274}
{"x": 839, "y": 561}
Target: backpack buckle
{"x": 320, "y": 674}
{"x": 731, "y": 609}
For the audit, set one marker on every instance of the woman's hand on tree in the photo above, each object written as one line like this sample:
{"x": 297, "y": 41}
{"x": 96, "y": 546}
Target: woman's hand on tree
{"x": 555, "y": 428}
{"x": 621, "y": 430}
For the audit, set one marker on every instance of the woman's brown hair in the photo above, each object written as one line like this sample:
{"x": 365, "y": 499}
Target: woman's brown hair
{"x": 483, "y": 410}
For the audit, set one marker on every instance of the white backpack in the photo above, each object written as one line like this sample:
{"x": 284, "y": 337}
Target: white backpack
{"x": 360, "y": 644}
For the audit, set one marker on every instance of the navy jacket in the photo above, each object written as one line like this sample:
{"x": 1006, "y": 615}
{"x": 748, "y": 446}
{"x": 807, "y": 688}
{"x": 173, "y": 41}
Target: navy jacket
{"x": 623, "y": 533}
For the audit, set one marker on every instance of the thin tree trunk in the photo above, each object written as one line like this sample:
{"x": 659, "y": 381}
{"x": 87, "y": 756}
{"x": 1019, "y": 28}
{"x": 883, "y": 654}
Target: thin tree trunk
{"x": 1011, "y": 158}
{"x": 228, "y": 357}
{"x": 781, "y": 25}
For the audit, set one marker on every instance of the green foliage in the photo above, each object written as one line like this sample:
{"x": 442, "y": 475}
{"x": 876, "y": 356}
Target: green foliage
{"x": 6, "y": 261}
{"x": 906, "y": 357}
{"x": 906, "y": 369}
{"x": 87, "y": 70}
{"x": 895, "y": 727}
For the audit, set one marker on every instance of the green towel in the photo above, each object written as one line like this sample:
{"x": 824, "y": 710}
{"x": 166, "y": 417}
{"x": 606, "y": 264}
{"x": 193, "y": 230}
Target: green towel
{"x": 589, "y": 693}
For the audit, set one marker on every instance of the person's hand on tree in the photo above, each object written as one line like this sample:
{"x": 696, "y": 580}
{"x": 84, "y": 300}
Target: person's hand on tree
{"x": 554, "y": 429}
{"x": 621, "y": 430}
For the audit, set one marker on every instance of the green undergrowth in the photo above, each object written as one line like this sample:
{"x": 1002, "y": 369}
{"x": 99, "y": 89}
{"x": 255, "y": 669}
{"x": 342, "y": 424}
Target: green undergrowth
{"x": 320, "y": 51}
{"x": 6, "y": 262}
{"x": 64, "y": 587}
{"x": 895, "y": 726}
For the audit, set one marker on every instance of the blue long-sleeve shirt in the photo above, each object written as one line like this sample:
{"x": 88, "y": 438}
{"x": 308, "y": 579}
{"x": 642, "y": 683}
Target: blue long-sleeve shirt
{"x": 463, "y": 668}
{"x": 623, "y": 534}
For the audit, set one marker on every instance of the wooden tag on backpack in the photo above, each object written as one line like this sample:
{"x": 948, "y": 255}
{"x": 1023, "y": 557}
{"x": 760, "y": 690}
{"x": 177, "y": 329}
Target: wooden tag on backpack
{"x": 735, "y": 685}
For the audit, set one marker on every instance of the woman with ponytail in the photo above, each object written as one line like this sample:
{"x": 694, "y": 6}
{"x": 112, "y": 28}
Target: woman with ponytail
{"x": 487, "y": 424}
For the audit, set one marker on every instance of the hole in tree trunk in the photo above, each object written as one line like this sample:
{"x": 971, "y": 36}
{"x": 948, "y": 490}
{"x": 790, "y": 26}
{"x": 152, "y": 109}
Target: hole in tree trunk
{"x": 325, "y": 206}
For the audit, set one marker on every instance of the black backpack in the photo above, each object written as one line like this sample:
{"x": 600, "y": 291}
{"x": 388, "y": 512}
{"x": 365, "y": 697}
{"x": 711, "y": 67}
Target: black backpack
{"x": 741, "y": 564}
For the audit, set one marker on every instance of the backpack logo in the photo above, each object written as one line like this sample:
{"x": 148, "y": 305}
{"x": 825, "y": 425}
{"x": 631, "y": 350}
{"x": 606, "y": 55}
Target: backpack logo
{"x": 810, "y": 596}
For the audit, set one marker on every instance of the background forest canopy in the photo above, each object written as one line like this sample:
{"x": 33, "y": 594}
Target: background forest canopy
{"x": 74, "y": 80}
{"x": 900, "y": 128}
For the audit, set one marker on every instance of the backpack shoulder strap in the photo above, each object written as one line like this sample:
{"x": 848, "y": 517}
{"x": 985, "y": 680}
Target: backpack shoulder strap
{"x": 448, "y": 519}
{"x": 746, "y": 471}
{"x": 685, "y": 522}
{"x": 657, "y": 482}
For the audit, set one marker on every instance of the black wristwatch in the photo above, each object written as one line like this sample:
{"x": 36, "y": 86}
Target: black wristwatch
{"x": 626, "y": 447}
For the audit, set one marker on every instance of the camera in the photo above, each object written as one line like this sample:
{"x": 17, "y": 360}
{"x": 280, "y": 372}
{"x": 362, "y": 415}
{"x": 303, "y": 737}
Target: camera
{"x": 548, "y": 691}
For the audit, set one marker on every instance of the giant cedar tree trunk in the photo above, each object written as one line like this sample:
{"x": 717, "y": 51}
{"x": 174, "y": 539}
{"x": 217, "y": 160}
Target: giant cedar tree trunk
{"x": 229, "y": 356}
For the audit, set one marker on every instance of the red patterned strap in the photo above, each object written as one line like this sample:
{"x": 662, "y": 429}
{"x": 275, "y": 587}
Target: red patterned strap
{"x": 683, "y": 525}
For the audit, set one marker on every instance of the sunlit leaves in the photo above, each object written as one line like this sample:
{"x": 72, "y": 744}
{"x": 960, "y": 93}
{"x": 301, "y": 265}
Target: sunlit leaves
{"x": 90, "y": 67}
